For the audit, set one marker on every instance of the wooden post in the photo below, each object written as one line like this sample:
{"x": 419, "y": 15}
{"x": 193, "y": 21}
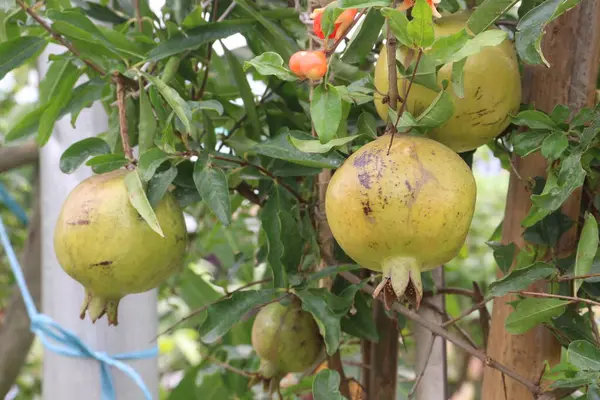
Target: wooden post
{"x": 433, "y": 383}
{"x": 572, "y": 46}
{"x": 68, "y": 378}
{"x": 384, "y": 357}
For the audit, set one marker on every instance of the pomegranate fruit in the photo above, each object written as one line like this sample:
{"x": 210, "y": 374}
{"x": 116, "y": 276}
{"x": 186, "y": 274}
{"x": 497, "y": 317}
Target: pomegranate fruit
{"x": 101, "y": 241}
{"x": 401, "y": 212}
{"x": 286, "y": 338}
{"x": 492, "y": 90}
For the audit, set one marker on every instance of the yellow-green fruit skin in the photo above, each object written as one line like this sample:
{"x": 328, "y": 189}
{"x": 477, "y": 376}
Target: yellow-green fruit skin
{"x": 286, "y": 338}
{"x": 492, "y": 91}
{"x": 101, "y": 241}
{"x": 411, "y": 209}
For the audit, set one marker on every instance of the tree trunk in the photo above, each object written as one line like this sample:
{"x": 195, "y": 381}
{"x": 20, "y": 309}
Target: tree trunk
{"x": 68, "y": 378}
{"x": 572, "y": 46}
{"x": 384, "y": 356}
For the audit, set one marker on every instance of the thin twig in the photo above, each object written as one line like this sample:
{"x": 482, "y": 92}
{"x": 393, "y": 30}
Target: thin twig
{"x": 504, "y": 386}
{"x": 440, "y": 331}
{"x": 203, "y": 308}
{"x": 58, "y": 37}
{"x": 213, "y": 17}
{"x": 392, "y": 74}
{"x": 403, "y": 107}
{"x": 572, "y": 278}
{"x": 556, "y": 296}
{"x": 124, "y": 130}
{"x": 231, "y": 368}
{"x": 331, "y": 50}
{"x": 468, "y": 312}
{"x": 422, "y": 373}
{"x": 138, "y": 14}
{"x": 449, "y": 290}
{"x": 446, "y": 317}
{"x": 227, "y": 11}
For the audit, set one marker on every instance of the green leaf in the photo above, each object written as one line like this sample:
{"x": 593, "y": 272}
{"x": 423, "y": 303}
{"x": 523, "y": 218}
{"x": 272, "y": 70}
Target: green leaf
{"x": 159, "y": 184}
{"x": 439, "y": 111}
{"x": 520, "y": 279}
{"x": 534, "y": 120}
{"x": 398, "y": 23}
{"x": 107, "y": 163}
{"x": 326, "y": 386}
{"x": 360, "y": 323}
{"x": 75, "y": 25}
{"x": 224, "y": 314}
{"x": 245, "y": 93}
{"x": 315, "y": 146}
{"x": 84, "y": 96}
{"x": 333, "y": 270}
{"x": 326, "y": 111}
{"x": 420, "y": 29}
{"x": 504, "y": 255}
{"x": 554, "y": 145}
{"x": 281, "y": 148}
{"x": 211, "y": 183}
{"x": 533, "y": 311}
{"x": 476, "y": 44}
{"x": 446, "y": 46}
{"x": 138, "y": 199}
{"x": 150, "y": 161}
{"x": 206, "y": 105}
{"x": 181, "y": 108}
{"x": 330, "y": 14}
{"x": 78, "y": 152}
{"x": 196, "y": 37}
{"x": 526, "y": 143}
{"x": 283, "y": 44}
{"x": 102, "y": 13}
{"x": 531, "y": 29}
{"x": 147, "y": 123}
{"x": 584, "y": 355}
{"x": 586, "y": 250}
{"x": 61, "y": 92}
{"x": 458, "y": 78}
{"x": 328, "y": 309}
{"x": 487, "y": 13}
{"x": 367, "y": 125}
{"x": 270, "y": 63}
{"x": 15, "y": 52}
{"x": 364, "y": 38}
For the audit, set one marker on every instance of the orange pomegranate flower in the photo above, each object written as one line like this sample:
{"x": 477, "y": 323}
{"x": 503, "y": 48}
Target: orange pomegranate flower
{"x": 432, "y": 3}
{"x": 341, "y": 24}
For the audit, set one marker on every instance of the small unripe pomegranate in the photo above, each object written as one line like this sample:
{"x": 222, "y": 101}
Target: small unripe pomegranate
{"x": 286, "y": 338}
{"x": 309, "y": 64}
{"x": 103, "y": 243}
{"x": 401, "y": 212}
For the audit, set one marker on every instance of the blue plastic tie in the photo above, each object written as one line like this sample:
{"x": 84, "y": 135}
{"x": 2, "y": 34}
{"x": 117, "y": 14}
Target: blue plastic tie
{"x": 12, "y": 205}
{"x": 62, "y": 341}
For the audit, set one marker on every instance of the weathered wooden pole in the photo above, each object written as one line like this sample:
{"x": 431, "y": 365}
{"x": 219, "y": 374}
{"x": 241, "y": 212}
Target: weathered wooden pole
{"x": 68, "y": 378}
{"x": 572, "y": 46}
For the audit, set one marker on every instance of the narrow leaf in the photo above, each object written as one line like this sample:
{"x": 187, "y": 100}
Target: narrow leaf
{"x": 326, "y": 111}
{"x": 487, "y": 13}
{"x": 584, "y": 355}
{"x": 586, "y": 250}
{"x": 270, "y": 63}
{"x": 106, "y": 163}
{"x": 78, "y": 152}
{"x": 181, "y": 108}
{"x": 365, "y": 37}
{"x": 15, "y": 52}
{"x": 159, "y": 184}
{"x": 147, "y": 123}
{"x": 533, "y": 311}
{"x": 519, "y": 279}
{"x": 138, "y": 199}
{"x": 150, "y": 161}
{"x": 315, "y": 146}
{"x": 211, "y": 183}
{"x": 245, "y": 93}
{"x": 326, "y": 386}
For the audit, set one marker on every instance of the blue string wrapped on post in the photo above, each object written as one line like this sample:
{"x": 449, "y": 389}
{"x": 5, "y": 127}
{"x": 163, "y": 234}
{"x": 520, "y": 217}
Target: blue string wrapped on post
{"x": 58, "y": 339}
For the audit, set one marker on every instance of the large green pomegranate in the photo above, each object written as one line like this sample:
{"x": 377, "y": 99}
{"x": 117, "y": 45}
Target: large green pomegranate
{"x": 492, "y": 90}
{"x": 401, "y": 212}
{"x": 286, "y": 339}
{"x": 103, "y": 243}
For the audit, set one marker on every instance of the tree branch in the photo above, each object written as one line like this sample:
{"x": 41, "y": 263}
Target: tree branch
{"x": 15, "y": 335}
{"x": 17, "y": 156}
{"x": 59, "y": 38}
{"x": 138, "y": 14}
{"x": 439, "y": 331}
{"x": 124, "y": 130}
